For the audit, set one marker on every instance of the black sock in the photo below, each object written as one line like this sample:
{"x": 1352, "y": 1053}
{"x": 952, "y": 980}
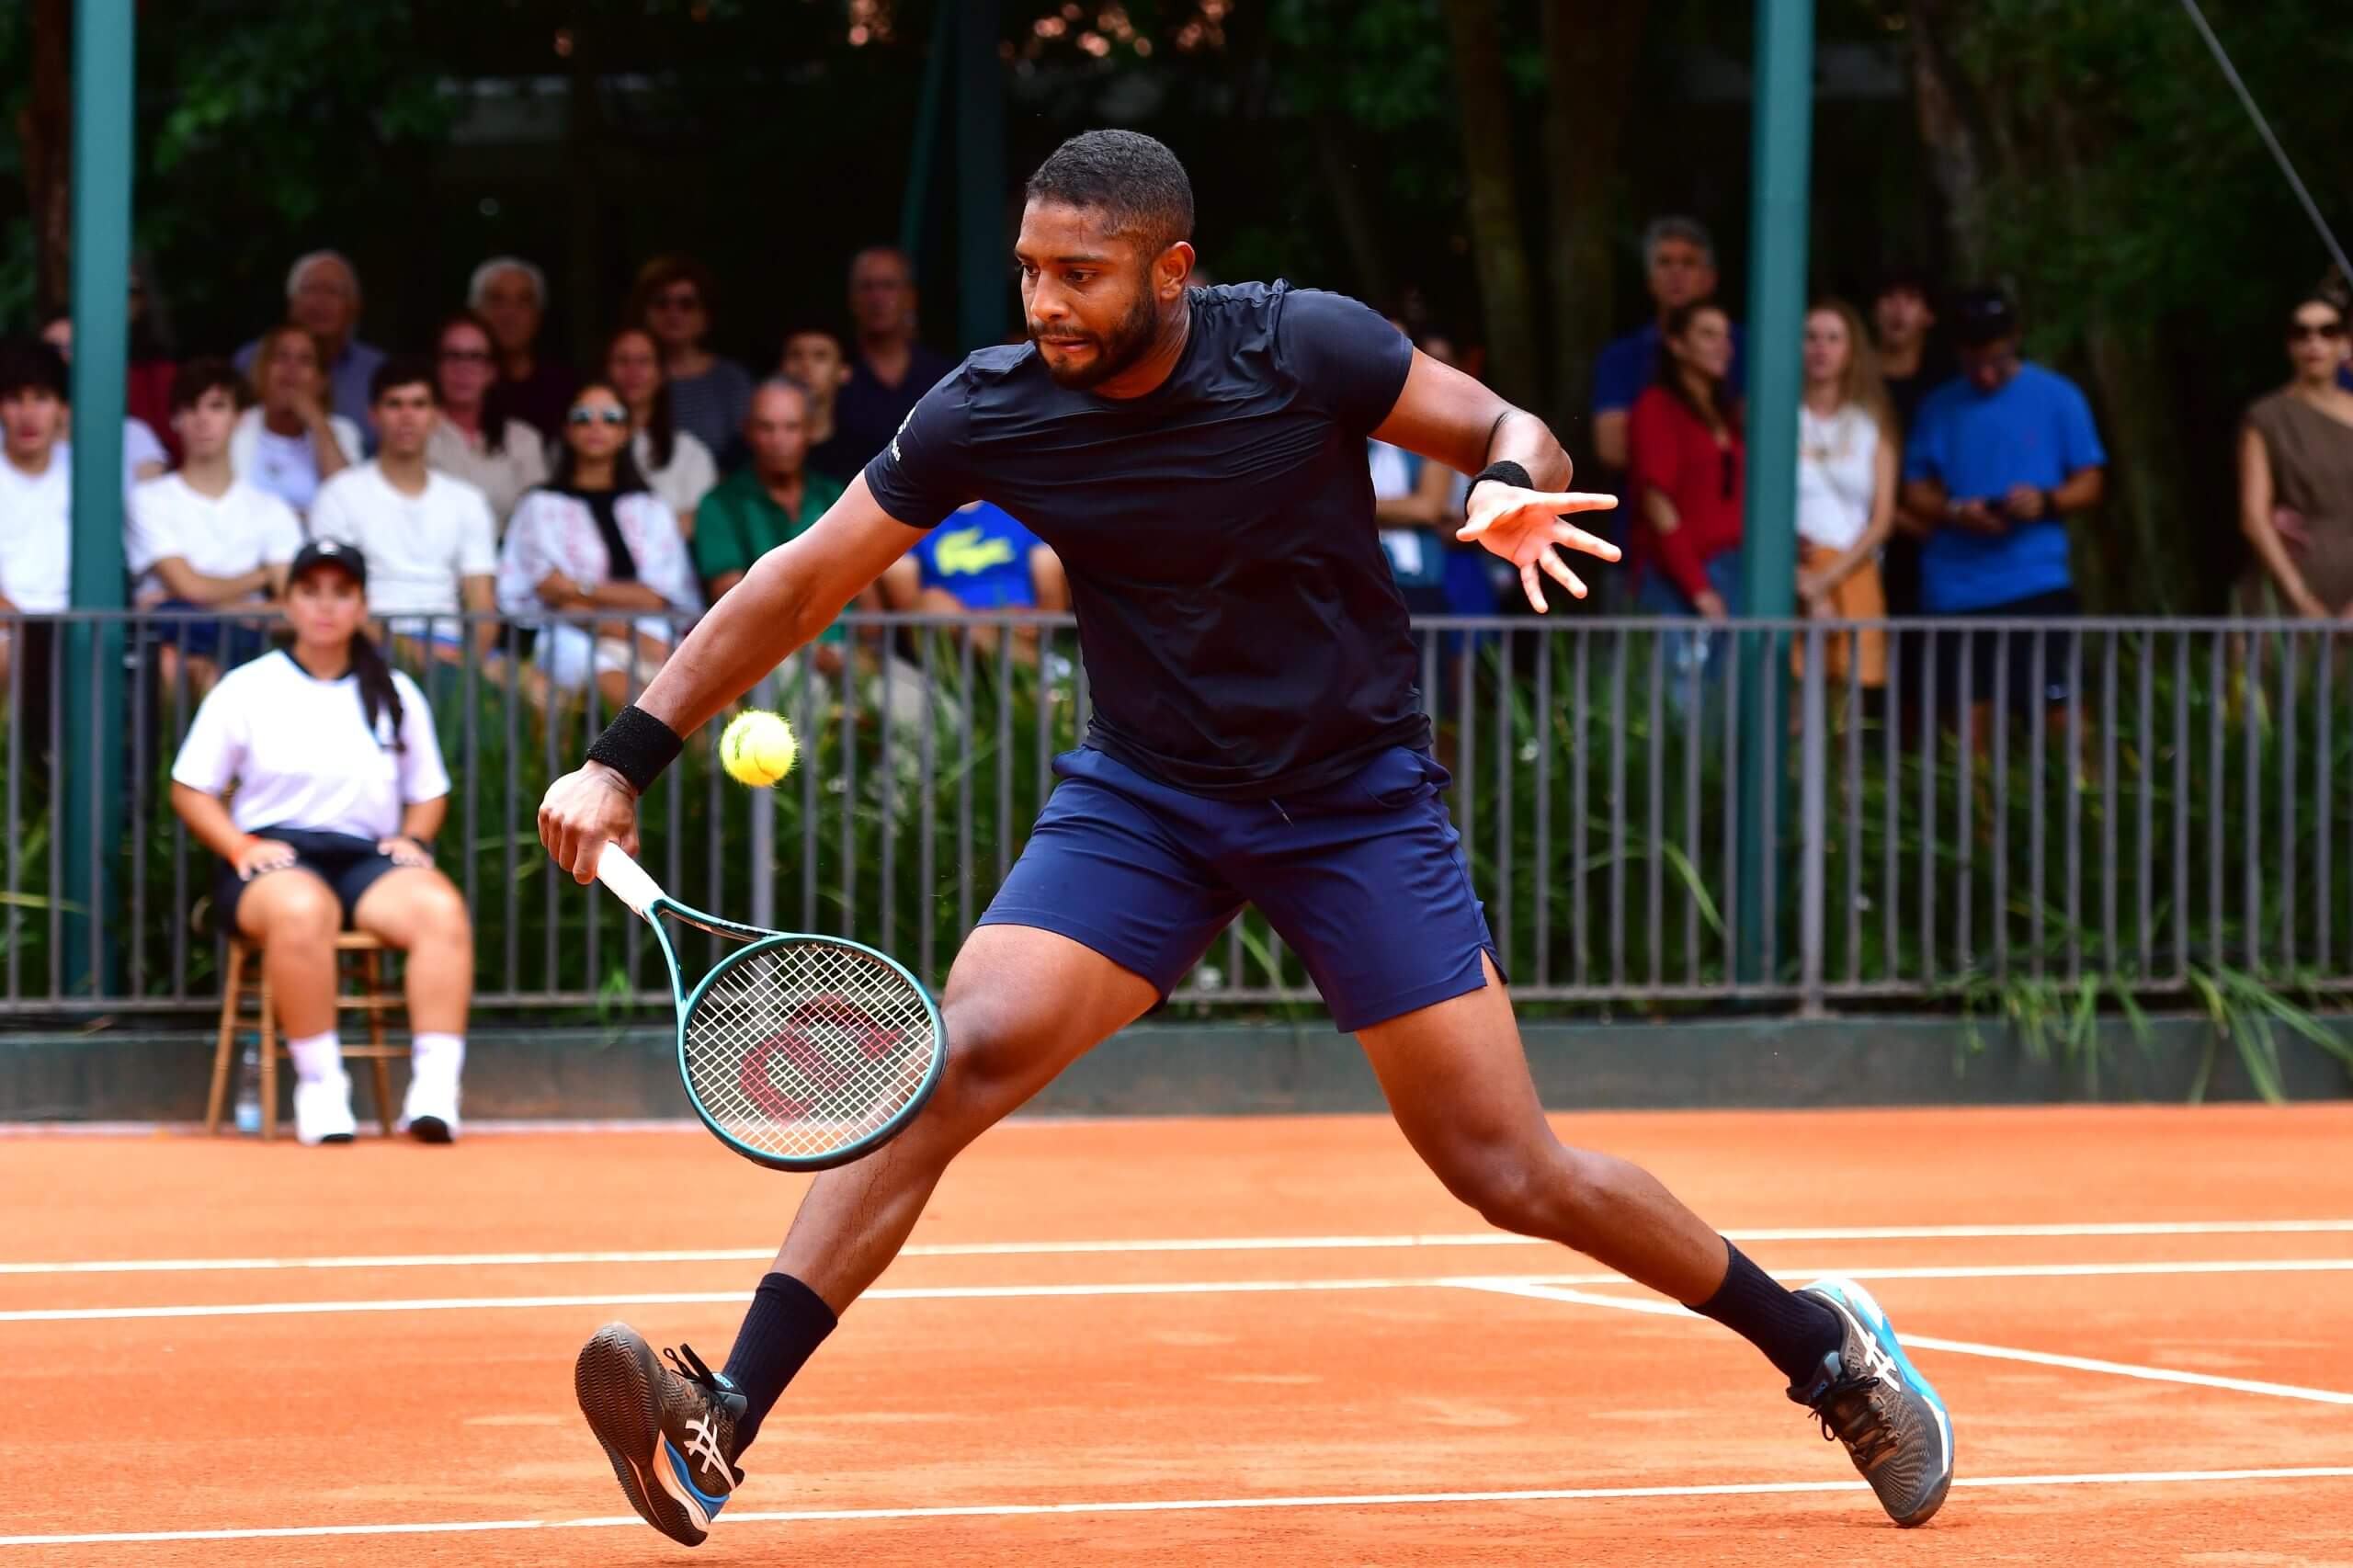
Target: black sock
{"x": 1795, "y": 1332}
{"x": 786, "y": 1324}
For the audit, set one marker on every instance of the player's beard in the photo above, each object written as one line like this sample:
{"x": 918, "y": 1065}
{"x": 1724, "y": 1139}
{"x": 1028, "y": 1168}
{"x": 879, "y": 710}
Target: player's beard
{"x": 1129, "y": 340}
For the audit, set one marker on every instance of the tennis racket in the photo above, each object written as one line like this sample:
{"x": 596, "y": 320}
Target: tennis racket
{"x": 800, "y": 1053}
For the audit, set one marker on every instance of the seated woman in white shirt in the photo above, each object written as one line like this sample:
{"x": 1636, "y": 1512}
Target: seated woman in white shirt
{"x": 678, "y": 466}
{"x": 290, "y": 440}
{"x": 596, "y": 538}
{"x": 339, "y": 788}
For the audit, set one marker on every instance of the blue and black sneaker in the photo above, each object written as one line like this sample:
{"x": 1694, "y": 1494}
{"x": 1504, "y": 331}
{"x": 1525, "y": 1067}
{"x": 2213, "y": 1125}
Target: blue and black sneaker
{"x": 670, "y": 1431}
{"x": 1868, "y": 1394}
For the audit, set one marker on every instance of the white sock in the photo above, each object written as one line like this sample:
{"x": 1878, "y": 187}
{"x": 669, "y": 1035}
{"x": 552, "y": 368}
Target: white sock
{"x": 317, "y": 1057}
{"x": 437, "y": 1056}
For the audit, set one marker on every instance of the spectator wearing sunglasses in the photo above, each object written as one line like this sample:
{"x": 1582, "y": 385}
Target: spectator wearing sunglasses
{"x": 708, "y": 395}
{"x": 1997, "y": 461}
{"x": 478, "y": 438}
{"x": 1687, "y": 467}
{"x": 597, "y": 538}
{"x": 2296, "y": 475}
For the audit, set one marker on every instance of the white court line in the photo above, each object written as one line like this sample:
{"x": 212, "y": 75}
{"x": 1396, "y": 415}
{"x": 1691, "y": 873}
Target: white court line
{"x": 1956, "y": 1347}
{"x": 1182, "y": 1245}
{"x": 1166, "y": 1287}
{"x": 1193, "y": 1506}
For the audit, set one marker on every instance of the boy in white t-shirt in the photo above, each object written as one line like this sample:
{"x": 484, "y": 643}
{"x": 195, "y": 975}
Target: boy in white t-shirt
{"x": 35, "y": 522}
{"x": 202, "y": 538}
{"x": 431, "y": 544}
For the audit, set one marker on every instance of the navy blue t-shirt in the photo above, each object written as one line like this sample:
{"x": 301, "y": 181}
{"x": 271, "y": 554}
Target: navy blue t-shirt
{"x": 1241, "y": 627}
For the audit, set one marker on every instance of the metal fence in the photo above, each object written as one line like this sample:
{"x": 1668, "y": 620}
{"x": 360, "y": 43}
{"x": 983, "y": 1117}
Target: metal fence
{"x": 2122, "y": 807}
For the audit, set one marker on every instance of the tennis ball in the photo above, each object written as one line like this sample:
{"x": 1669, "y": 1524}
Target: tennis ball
{"x": 757, "y": 748}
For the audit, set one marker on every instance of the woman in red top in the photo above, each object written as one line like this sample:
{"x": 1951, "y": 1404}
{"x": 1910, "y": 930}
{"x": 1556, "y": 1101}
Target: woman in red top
{"x": 1687, "y": 468}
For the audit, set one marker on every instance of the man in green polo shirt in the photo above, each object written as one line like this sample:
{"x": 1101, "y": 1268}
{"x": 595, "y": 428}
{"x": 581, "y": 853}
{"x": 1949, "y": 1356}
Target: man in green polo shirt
{"x": 772, "y": 500}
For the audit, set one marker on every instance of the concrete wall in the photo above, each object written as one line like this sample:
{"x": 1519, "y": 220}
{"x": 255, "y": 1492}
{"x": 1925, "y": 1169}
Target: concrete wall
{"x": 1175, "y": 1069}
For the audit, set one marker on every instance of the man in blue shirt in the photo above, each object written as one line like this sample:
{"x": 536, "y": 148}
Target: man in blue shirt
{"x": 1679, "y": 265}
{"x": 1998, "y": 458}
{"x": 980, "y": 557}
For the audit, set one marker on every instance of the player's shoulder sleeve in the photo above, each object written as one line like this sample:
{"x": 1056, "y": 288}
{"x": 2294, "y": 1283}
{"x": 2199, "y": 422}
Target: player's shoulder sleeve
{"x": 1344, "y": 353}
{"x": 477, "y": 529}
{"x": 926, "y": 470}
{"x": 216, "y": 743}
{"x": 148, "y": 535}
{"x": 424, "y": 777}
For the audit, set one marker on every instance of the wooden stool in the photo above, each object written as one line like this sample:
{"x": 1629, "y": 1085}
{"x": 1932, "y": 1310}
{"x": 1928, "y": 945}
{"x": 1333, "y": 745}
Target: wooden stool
{"x": 246, "y": 978}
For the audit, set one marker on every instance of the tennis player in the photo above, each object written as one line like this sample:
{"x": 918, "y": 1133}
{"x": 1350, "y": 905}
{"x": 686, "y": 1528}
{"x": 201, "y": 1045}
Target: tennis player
{"x": 1195, "y": 457}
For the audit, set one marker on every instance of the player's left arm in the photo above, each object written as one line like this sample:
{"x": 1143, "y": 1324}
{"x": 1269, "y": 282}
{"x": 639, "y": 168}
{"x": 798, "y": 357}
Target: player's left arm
{"x": 1453, "y": 419}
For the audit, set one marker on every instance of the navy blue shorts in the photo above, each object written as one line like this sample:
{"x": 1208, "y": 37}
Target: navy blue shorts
{"x": 350, "y": 866}
{"x": 1365, "y": 879}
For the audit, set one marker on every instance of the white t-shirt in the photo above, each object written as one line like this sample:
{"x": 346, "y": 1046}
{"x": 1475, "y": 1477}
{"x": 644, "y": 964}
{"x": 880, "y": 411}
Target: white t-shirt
{"x": 286, "y": 466}
{"x": 300, "y": 751}
{"x": 689, "y": 478}
{"x": 1837, "y": 476}
{"x": 417, "y": 546}
{"x": 36, "y": 535}
{"x": 224, "y": 536}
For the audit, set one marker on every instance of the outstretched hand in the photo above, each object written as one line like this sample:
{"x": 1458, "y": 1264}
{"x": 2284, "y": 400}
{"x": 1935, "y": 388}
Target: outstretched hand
{"x": 1524, "y": 527}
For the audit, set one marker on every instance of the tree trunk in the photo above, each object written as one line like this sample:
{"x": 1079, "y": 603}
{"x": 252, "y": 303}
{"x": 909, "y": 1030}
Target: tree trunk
{"x": 1953, "y": 129}
{"x": 45, "y": 128}
{"x": 1589, "y": 48}
{"x": 1498, "y": 246}
{"x": 1357, "y": 232}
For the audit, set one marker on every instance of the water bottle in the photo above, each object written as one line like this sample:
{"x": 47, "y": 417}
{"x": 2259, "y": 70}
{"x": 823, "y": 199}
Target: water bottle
{"x": 249, "y": 1091}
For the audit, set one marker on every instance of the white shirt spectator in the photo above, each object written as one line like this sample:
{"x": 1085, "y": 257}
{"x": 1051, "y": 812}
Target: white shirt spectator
{"x": 223, "y": 537}
{"x": 552, "y": 531}
{"x": 301, "y": 753}
{"x": 418, "y": 547}
{"x": 285, "y": 466}
{"x": 689, "y": 477}
{"x": 1837, "y": 476}
{"x": 503, "y": 477}
{"x": 36, "y": 535}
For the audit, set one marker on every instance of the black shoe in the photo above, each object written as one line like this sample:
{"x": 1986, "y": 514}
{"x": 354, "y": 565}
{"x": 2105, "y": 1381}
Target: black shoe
{"x": 1868, "y": 1394}
{"x": 670, "y": 1434}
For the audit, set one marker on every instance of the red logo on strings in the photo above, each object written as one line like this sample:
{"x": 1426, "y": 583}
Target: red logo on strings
{"x": 809, "y": 1063}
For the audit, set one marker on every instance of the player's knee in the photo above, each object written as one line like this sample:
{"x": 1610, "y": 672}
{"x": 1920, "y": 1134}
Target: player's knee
{"x": 1529, "y": 1192}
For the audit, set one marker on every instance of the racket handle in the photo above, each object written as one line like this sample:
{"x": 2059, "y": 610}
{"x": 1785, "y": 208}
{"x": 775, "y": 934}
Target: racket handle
{"x": 627, "y": 879}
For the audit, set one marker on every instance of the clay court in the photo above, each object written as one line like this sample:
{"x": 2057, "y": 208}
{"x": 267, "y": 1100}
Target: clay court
{"x": 1262, "y": 1341}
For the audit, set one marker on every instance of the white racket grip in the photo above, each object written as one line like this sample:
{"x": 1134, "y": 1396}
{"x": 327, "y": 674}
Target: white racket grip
{"x": 627, "y": 879}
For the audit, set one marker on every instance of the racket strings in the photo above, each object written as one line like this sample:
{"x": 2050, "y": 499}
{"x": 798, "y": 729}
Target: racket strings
{"x": 802, "y": 1048}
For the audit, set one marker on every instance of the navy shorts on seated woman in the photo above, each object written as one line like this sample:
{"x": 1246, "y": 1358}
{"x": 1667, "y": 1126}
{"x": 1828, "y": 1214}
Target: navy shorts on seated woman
{"x": 346, "y": 862}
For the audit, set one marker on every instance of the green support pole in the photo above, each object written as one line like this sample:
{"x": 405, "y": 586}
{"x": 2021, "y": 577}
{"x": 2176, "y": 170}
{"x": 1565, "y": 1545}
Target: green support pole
{"x": 90, "y": 669}
{"x": 1782, "y": 141}
{"x": 980, "y": 244}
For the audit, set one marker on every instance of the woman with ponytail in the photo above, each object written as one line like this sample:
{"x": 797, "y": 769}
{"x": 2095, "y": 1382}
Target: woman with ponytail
{"x": 339, "y": 790}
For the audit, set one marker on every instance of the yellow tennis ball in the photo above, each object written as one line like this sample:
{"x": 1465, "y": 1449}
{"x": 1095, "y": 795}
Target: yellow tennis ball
{"x": 757, "y": 748}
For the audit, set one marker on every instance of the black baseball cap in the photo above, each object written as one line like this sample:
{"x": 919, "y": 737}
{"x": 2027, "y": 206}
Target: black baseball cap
{"x": 334, "y": 552}
{"x": 1981, "y": 316}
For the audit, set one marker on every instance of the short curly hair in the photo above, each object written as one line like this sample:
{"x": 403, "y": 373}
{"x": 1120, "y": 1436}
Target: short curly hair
{"x": 1132, "y": 179}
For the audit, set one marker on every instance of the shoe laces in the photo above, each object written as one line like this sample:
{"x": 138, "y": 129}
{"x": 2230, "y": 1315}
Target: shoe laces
{"x": 1848, "y": 1413}
{"x": 694, "y": 1370}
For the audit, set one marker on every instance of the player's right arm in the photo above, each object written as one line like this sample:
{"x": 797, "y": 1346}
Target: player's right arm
{"x": 790, "y": 596}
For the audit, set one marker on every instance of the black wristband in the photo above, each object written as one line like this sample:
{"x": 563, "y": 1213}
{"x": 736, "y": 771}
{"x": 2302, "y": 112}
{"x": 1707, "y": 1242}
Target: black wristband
{"x": 1510, "y": 473}
{"x": 638, "y": 746}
